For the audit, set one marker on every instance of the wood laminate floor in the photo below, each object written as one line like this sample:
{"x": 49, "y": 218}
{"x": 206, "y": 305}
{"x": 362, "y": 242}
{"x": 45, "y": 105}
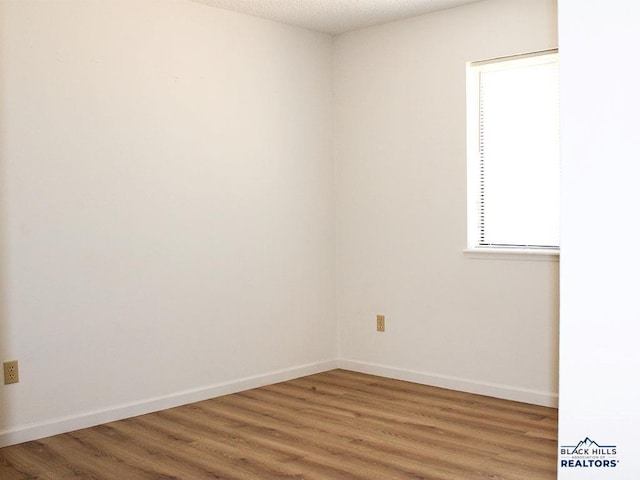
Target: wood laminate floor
{"x": 334, "y": 425}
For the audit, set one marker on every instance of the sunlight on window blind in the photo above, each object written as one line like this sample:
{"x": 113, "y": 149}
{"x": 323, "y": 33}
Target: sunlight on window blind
{"x": 519, "y": 156}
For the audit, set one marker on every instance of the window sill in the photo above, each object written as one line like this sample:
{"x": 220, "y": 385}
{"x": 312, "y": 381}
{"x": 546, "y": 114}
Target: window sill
{"x": 513, "y": 254}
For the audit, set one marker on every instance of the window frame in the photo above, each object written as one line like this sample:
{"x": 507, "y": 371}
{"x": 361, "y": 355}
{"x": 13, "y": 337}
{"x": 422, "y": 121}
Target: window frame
{"x": 473, "y": 72}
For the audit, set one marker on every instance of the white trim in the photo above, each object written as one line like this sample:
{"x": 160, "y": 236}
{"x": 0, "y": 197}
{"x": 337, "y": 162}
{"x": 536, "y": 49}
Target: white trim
{"x": 474, "y": 107}
{"x": 507, "y": 392}
{"x": 473, "y": 154}
{"x": 531, "y": 58}
{"x": 97, "y": 417}
{"x": 487, "y": 253}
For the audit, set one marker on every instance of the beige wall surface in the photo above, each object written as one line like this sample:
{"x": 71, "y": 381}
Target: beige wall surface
{"x": 483, "y": 325}
{"x": 167, "y": 202}
{"x": 185, "y": 191}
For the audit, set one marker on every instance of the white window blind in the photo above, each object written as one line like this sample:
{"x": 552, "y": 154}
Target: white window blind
{"x": 514, "y": 130}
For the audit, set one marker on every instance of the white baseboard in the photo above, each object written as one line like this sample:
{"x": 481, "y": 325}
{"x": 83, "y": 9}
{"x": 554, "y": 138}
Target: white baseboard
{"x": 89, "y": 419}
{"x": 508, "y": 392}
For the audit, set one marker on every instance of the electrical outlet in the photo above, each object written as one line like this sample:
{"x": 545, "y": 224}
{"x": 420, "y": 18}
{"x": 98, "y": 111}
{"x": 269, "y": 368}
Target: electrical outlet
{"x": 11, "y": 372}
{"x": 380, "y": 323}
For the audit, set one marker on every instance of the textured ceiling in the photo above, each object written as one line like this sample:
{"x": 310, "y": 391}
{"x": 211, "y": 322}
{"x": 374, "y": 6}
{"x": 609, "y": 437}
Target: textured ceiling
{"x": 334, "y": 16}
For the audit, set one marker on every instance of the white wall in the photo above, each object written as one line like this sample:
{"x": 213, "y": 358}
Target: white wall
{"x": 489, "y": 326}
{"x": 600, "y": 314}
{"x": 167, "y": 207}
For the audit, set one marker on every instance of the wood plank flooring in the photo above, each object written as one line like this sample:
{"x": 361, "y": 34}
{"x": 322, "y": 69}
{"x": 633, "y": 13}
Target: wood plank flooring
{"x": 335, "y": 425}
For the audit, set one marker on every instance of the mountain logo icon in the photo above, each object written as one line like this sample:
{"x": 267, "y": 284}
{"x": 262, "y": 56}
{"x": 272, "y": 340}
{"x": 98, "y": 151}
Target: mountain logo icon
{"x": 586, "y": 443}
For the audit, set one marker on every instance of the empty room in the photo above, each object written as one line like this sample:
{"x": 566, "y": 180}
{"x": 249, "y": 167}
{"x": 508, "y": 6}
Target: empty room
{"x": 238, "y": 241}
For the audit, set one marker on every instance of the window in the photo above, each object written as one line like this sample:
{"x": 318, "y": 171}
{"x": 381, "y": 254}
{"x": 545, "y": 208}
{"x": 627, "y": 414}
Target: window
{"x": 513, "y": 152}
